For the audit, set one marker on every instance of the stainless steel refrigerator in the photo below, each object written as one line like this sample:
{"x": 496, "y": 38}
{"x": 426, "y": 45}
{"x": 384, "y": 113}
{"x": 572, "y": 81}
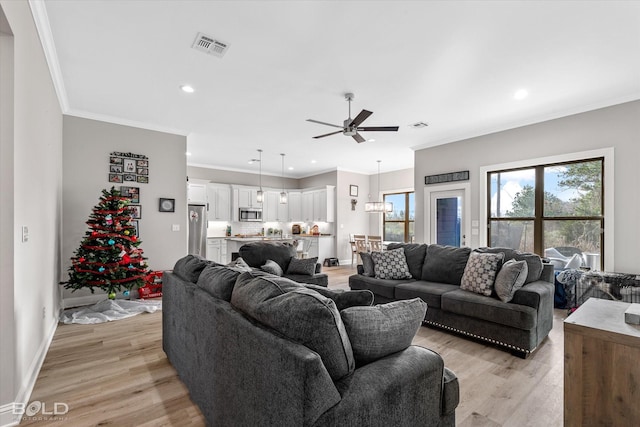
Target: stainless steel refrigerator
{"x": 198, "y": 230}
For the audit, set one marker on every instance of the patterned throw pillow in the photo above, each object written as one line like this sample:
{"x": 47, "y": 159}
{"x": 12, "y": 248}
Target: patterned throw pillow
{"x": 510, "y": 278}
{"x": 390, "y": 264}
{"x": 480, "y": 272}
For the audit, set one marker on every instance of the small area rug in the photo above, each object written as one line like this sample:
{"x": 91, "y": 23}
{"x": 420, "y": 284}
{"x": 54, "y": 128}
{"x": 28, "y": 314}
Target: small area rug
{"x": 109, "y": 310}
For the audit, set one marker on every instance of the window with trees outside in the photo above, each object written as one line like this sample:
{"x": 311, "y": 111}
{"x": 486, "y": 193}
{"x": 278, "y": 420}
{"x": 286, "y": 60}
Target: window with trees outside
{"x": 399, "y": 224}
{"x": 554, "y": 210}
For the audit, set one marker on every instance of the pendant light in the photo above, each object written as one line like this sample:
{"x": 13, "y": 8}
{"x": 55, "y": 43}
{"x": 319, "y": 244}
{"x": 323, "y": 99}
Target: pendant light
{"x": 378, "y": 207}
{"x": 260, "y": 194}
{"x": 283, "y": 195}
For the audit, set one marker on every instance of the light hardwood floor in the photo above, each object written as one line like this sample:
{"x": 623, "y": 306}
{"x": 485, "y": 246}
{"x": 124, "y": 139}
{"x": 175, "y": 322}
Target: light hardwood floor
{"x": 117, "y": 374}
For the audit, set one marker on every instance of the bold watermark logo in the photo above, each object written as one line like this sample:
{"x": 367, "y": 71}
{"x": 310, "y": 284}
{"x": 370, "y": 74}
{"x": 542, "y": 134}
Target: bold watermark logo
{"x": 41, "y": 411}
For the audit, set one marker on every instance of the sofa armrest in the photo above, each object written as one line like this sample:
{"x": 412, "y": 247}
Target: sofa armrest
{"x": 397, "y": 390}
{"x": 318, "y": 268}
{"x": 360, "y": 268}
{"x": 547, "y": 273}
{"x": 539, "y": 295}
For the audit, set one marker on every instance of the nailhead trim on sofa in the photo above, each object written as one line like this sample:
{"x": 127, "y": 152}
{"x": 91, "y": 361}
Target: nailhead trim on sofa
{"x": 480, "y": 337}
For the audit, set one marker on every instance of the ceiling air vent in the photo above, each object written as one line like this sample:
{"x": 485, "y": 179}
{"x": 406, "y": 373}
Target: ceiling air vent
{"x": 419, "y": 125}
{"x": 209, "y": 45}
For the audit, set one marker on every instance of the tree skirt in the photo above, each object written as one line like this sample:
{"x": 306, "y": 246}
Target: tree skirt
{"x": 108, "y": 310}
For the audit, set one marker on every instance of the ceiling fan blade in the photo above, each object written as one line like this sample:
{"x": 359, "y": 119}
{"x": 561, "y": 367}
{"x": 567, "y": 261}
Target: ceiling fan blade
{"x": 360, "y": 118}
{"x": 358, "y": 138}
{"x": 327, "y": 134}
{"x": 324, "y": 123}
{"x": 379, "y": 128}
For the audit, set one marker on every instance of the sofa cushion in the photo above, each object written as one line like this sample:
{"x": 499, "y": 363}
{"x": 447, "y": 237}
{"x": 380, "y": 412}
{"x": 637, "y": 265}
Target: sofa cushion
{"x": 534, "y": 262}
{"x": 344, "y": 299}
{"x": 218, "y": 280}
{"x": 382, "y": 287}
{"x": 367, "y": 264}
{"x": 272, "y": 267}
{"x": 480, "y": 272}
{"x": 390, "y": 265}
{"x": 510, "y": 278}
{"x": 299, "y": 313}
{"x": 189, "y": 267}
{"x": 415, "y": 254}
{"x": 429, "y": 292}
{"x": 257, "y": 253}
{"x": 469, "y": 304}
{"x": 378, "y": 331}
{"x": 306, "y": 266}
{"x": 445, "y": 264}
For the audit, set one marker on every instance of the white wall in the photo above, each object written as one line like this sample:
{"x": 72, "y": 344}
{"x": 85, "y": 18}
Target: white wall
{"x": 87, "y": 144}
{"x": 31, "y": 186}
{"x": 390, "y": 182}
{"x": 350, "y": 221}
{"x": 617, "y": 126}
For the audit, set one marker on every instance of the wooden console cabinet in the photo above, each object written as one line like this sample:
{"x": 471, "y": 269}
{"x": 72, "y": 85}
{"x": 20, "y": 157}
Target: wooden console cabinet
{"x": 601, "y": 366}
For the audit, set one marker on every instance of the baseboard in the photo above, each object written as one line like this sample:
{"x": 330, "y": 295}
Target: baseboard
{"x": 8, "y": 417}
{"x": 92, "y": 299}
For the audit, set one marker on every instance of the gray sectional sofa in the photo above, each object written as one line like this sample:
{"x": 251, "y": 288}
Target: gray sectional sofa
{"x": 436, "y": 271}
{"x": 255, "y": 349}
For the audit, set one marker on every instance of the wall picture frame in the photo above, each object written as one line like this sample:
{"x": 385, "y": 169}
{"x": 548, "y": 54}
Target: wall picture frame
{"x": 132, "y": 193}
{"x": 166, "y": 205}
{"x": 136, "y": 211}
{"x": 353, "y": 190}
{"x": 136, "y": 228}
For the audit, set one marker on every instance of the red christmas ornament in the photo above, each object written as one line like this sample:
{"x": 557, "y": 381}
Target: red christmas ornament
{"x": 94, "y": 233}
{"x": 134, "y": 238}
{"x": 81, "y": 259}
{"x": 126, "y": 259}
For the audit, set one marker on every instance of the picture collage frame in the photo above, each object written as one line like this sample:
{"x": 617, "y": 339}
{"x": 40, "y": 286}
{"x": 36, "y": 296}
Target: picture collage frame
{"x": 128, "y": 167}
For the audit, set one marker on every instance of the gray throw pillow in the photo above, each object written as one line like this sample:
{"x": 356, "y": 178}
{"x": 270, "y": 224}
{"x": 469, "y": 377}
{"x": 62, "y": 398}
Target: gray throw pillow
{"x": 534, "y": 262}
{"x": 390, "y": 265}
{"x": 272, "y": 267}
{"x": 306, "y": 266}
{"x": 219, "y": 280}
{"x": 367, "y": 264}
{"x": 510, "y": 278}
{"x": 190, "y": 266}
{"x": 299, "y": 313}
{"x": 343, "y": 298}
{"x": 384, "y": 329}
{"x": 415, "y": 254}
{"x": 480, "y": 272}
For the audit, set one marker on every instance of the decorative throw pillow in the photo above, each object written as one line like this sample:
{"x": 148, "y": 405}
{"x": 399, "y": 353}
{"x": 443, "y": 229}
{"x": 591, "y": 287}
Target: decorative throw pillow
{"x": 189, "y": 267}
{"x": 480, "y": 272}
{"x": 378, "y": 331}
{"x": 272, "y": 267}
{"x": 510, "y": 278}
{"x": 390, "y": 265}
{"x": 367, "y": 264}
{"x": 306, "y": 266}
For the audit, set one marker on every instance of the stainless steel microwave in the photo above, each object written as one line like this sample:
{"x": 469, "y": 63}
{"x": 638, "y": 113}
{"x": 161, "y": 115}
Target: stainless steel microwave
{"x": 250, "y": 215}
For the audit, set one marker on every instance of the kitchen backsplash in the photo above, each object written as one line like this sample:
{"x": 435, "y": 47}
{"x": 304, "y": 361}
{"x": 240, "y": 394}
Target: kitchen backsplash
{"x": 219, "y": 228}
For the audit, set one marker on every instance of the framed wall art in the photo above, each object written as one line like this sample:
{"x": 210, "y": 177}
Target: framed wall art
{"x": 353, "y": 190}
{"x": 131, "y": 192}
{"x": 136, "y": 211}
{"x": 128, "y": 167}
{"x": 167, "y": 205}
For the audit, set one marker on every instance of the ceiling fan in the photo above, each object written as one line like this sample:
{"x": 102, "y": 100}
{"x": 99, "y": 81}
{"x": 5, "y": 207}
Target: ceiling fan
{"x": 351, "y": 127}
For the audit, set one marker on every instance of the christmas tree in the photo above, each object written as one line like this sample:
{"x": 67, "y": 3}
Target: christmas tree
{"x": 109, "y": 256}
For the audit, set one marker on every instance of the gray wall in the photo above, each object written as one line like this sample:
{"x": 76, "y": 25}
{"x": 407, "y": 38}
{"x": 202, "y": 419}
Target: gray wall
{"x": 30, "y": 195}
{"x": 239, "y": 178}
{"x": 87, "y": 144}
{"x": 617, "y": 126}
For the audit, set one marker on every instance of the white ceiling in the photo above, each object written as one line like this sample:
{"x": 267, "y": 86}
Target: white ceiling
{"x": 455, "y": 65}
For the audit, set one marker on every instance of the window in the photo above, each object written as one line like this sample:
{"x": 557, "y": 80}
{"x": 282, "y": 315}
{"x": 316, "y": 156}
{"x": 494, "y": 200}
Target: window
{"x": 399, "y": 224}
{"x": 554, "y": 210}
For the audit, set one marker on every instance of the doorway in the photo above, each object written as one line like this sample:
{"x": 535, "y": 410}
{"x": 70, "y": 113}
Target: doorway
{"x": 447, "y": 215}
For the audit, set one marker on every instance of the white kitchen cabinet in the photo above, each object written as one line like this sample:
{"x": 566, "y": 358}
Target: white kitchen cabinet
{"x": 217, "y": 250}
{"x": 295, "y": 206}
{"x": 307, "y": 206}
{"x": 248, "y": 197}
{"x": 219, "y": 202}
{"x": 273, "y": 210}
{"x": 197, "y": 193}
{"x": 322, "y": 247}
{"x": 319, "y": 205}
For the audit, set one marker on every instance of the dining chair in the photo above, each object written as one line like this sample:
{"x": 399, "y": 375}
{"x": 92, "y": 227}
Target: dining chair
{"x": 375, "y": 243}
{"x": 359, "y": 244}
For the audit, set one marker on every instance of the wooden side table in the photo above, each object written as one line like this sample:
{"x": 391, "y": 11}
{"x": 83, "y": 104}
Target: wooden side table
{"x": 601, "y": 366}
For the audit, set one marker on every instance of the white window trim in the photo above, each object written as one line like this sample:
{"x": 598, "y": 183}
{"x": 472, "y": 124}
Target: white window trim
{"x": 606, "y": 153}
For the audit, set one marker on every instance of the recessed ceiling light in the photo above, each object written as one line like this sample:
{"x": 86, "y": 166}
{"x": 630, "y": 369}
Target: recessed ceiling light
{"x": 188, "y": 153}
{"x": 371, "y": 140}
{"x": 520, "y": 94}
{"x": 290, "y": 168}
{"x": 313, "y": 161}
{"x": 187, "y": 88}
